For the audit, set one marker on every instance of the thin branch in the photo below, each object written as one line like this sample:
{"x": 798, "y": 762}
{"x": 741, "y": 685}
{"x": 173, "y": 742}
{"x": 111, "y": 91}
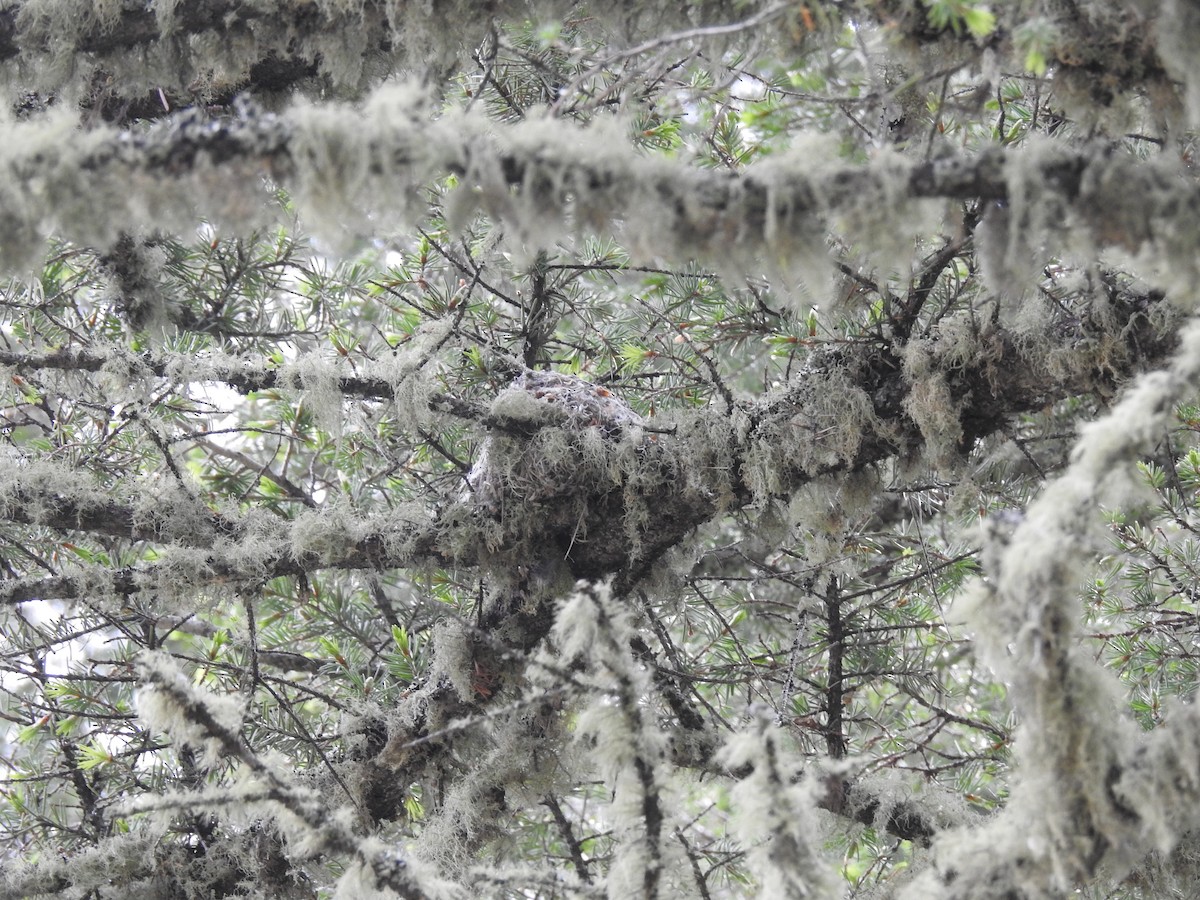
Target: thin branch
{"x": 568, "y": 836}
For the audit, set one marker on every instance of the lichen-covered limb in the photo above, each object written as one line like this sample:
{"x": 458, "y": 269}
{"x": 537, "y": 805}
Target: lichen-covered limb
{"x": 168, "y": 54}
{"x": 240, "y": 374}
{"x": 1092, "y": 794}
{"x": 849, "y": 409}
{"x": 201, "y": 49}
{"x": 187, "y": 569}
{"x": 537, "y": 176}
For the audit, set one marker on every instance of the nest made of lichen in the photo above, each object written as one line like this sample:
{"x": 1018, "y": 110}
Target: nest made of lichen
{"x": 564, "y": 454}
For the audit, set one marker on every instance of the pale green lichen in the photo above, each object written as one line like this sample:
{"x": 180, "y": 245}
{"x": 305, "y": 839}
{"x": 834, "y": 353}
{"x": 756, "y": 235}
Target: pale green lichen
{"x": 326, "y": 534}
{"x": 774, "y": 817}
{"x": 346, "y": 160}
{"x": 619, "y": 731}
{"x": 314, "y": 379}
{"x": 824, "y": 422}
{"x": 930, "y": 403}
{"x": 1178, "y": 33}
{"x": 360, "y": 878}
{"x": 169, "y": 702}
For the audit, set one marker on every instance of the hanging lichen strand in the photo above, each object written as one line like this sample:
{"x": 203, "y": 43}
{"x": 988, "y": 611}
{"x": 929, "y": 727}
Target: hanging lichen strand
{"x": 620, "y": 450}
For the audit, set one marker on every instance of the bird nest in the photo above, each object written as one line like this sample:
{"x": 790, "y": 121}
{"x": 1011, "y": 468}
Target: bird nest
{"x": 574, "y": 400}
{"x": 562, "y": 453}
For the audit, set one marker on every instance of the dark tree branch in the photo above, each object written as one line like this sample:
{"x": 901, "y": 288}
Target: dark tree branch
{"x": 568, "y": 835}
{"x": 835, "y": 737}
